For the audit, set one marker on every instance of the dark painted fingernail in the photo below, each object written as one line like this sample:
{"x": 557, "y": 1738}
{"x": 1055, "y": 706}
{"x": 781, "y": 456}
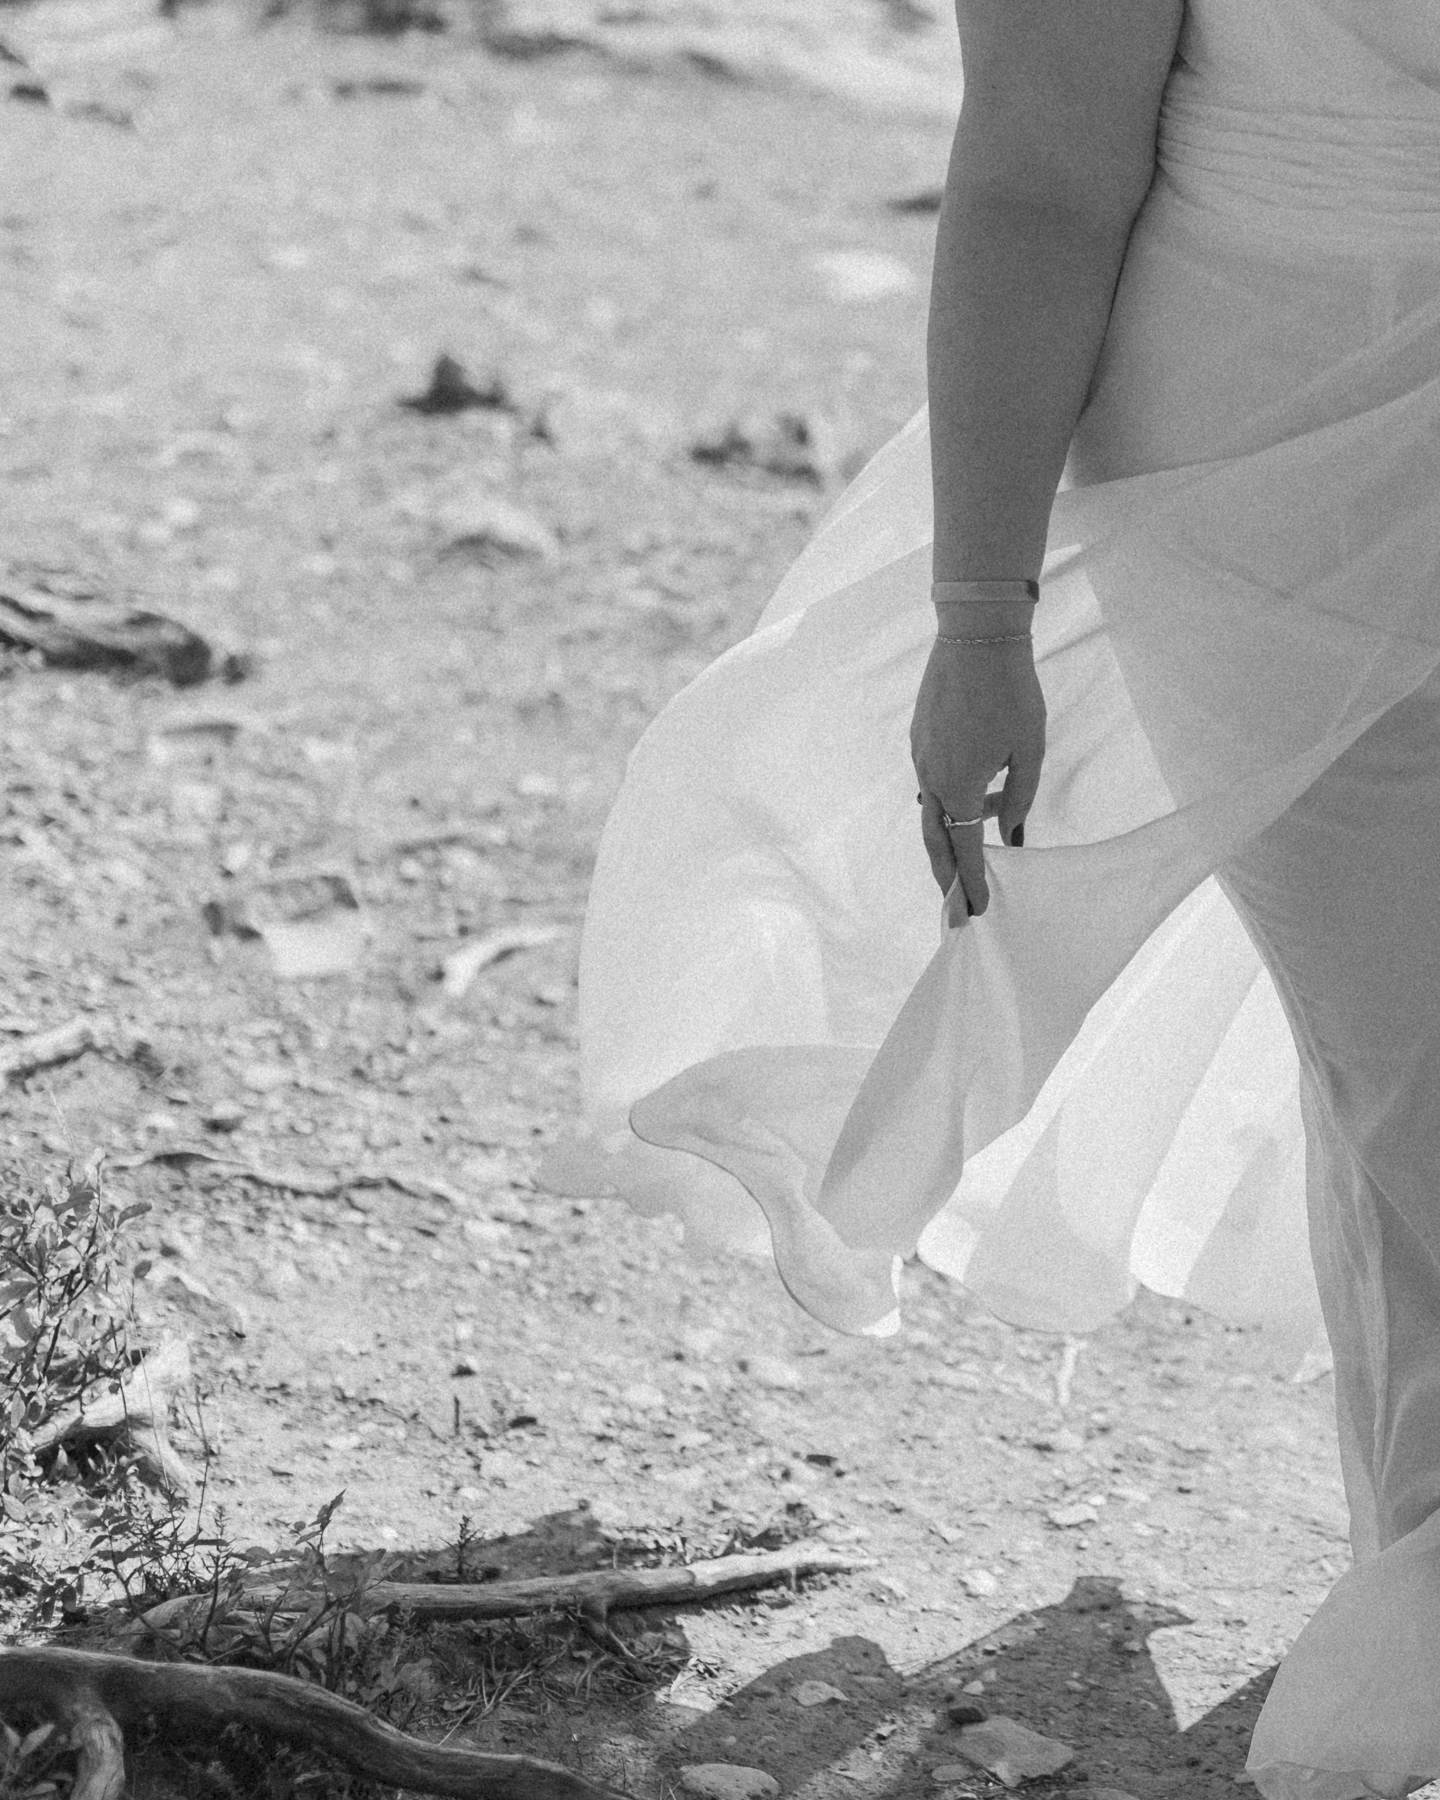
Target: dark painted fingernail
{"x": 1017, "y": 836}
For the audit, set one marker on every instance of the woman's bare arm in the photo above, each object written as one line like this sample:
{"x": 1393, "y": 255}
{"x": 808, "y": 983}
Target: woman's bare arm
{"x": 1052, "y": 160}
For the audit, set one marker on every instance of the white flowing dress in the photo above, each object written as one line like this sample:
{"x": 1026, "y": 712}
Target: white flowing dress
{"x": 1194, "y": 1043}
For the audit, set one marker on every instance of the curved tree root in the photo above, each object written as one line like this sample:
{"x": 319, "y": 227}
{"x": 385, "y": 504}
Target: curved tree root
{"x": 94, "y": 1695}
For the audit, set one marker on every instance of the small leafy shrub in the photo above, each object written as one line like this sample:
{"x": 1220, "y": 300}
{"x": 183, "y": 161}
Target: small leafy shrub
{"x": 66, "y": 1304}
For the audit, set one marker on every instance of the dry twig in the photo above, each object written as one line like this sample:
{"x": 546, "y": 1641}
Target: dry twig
{"x": 594, "y": 1593}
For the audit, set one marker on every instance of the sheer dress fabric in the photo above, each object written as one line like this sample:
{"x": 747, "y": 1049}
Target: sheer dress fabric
{"x": 1148, "y": 1062}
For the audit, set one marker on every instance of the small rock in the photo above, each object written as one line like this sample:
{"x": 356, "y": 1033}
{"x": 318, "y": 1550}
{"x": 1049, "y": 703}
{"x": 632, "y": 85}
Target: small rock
{"x": 855, "y": 275}
{"x": 973, "y": 1687}
{"x": 966, "y": 1712}
{"x": 225, "y": 1116}
{"x": 949, "y": 1773}
{"x": 644, "y": 1398}
{"x": 1012, "y": 1751}
{"x": 838, "y": 1531}
{"x": 1062, "y": 1442}
{"x": 816, "y": 1693}
{"x": 789, "y": 445}
{"x": 487, "y": 526}
{"x": 451, "y": 391}
{"x": 1080, "y": 1513}
{"x": 727, "y": 1781}
{"x": 770, "y": 1372}
{"x": 465, "y": 1366}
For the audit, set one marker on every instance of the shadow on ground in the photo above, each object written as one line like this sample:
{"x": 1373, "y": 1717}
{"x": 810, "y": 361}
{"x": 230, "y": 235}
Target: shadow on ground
{"x": 892, "y": 1732}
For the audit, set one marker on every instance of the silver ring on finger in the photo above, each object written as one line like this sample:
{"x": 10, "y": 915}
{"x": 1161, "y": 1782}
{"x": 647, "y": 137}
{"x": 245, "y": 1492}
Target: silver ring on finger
{"x": 950, "y": 824}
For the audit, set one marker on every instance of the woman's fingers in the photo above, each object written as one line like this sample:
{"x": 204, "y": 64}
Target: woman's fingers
{"x": 937, "y": 842}
{"x": 968, "y": 843}
{"x": 959, "y": 850}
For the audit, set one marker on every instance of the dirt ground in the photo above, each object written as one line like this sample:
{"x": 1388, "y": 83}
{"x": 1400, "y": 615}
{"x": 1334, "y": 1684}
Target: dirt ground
{"x": 214, "y": 315}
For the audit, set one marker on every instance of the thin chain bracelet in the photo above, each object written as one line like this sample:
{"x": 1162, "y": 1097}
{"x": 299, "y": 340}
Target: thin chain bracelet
{"x": 1018, "y": 637}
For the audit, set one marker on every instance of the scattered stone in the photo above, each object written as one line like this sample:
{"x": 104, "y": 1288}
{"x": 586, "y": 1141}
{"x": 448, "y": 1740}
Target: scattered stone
{"x": 1061, "y": 1442}
{"x": 947, "y": 1774}
{"x": 1012, "y": 1751}
{"x": 789, "y": 445}
{"x": 451, "y": 391}
{"x": 973, "y": 1687}
{"x": 979, "y": 1582}
{"x": 465, "y": 1366}
{"x": 490, "y": 528}
{"x": 1080, "y": 1513}
{"x": 817, "y": 1693}
{"x": 644, "y": 1397}
{"x": 770, "y": 1372}
{"x": 966, "y": 1712}
{"x": 73, "y": 627}
{"x": 856, "y": 275}
{"x": 312, "y": 925}
{"x": 837, "y": 1531}
{"x": 225, "y": 1116}
{"x": 727, "y": 1781}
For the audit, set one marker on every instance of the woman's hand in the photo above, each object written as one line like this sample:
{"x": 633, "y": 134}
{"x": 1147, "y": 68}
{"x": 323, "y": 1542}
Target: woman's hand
{"x": 980, "y": 709}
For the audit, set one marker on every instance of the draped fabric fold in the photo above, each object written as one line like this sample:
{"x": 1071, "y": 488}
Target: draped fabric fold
{"x": 1095, "y": 1084}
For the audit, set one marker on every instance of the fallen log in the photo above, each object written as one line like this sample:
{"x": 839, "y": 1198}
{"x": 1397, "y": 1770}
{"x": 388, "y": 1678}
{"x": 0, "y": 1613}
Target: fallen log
{"x": 594, "y": 1593}
{"x": 93, "y": 1695}
{"x": 137, "y": 1408}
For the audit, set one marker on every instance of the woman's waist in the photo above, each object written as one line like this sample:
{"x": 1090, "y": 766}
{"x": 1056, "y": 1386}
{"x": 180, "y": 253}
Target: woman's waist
{"x": 1363, "y": 180}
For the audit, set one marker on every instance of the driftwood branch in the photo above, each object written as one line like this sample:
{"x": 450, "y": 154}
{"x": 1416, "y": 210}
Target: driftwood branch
{"x": 137, "y": 1408}
{"x": 95, "y": 1695}
{"x": 594, "y": 1593}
